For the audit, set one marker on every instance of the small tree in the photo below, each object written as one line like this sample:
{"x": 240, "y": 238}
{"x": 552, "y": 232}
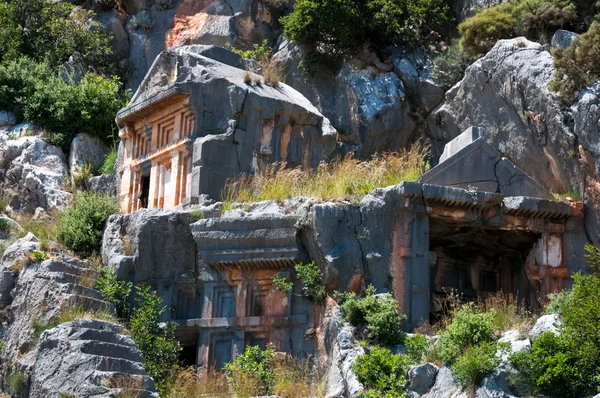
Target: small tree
{"x": 253, "y": 372}
{"x": 155, "y": 339}
{"x": 115, "y": 292}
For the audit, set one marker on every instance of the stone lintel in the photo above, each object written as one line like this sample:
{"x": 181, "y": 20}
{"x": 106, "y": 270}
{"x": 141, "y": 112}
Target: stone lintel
{"x": 243, "y": 322}
{"x": 543, "y": 271}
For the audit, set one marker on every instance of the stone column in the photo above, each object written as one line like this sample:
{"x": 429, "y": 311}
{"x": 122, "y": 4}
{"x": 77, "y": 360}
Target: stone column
{"x": 126, "y": 190}
{"x": 161, "y": 187}
{"x": 173, "y": 197}
{"x": 154, "y": 177}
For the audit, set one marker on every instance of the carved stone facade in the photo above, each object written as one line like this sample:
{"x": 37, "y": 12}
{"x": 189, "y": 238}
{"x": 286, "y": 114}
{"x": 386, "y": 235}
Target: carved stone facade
{"x": 195, "y": 123}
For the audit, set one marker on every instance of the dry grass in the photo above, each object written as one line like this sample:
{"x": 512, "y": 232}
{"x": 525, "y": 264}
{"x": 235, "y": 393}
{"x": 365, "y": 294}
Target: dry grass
{"x": 44, "y": 229}
{"x": 128, "y": 386}
{"x": 509, "y": 313}
{"x": 190, "y": 384}
{"x": 273, "y": 74}
{"x": 70, "y": 313}
{"x": 295, "y": 378}
{"x": 247, "y": 78}
{"x": 348, "y": 179}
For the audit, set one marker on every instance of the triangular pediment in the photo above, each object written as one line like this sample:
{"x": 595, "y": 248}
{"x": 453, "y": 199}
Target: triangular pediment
{"x": 470, "y": 162}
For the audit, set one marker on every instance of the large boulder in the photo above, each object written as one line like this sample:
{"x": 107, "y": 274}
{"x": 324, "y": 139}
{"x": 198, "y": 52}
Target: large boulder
{"x": 33, "y": 174}
{"x": 85, "y": 150}
{"x": 546, "y": 323}
{"x": 421, "y": 378}
{"x": 113, "y": 24}
{"x": 467, "y": 8}
{"x": 89, "y": 358}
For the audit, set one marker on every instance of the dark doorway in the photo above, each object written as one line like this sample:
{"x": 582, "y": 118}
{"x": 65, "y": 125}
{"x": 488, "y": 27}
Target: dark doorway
{"x": 145, "y": 191}
{"x": 187, "y": 355}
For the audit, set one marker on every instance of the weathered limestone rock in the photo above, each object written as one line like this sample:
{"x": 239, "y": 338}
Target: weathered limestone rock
{"x": 518, "y": 342}
{"x": 7, "y": 120}
{"x": 468, "y": 8}
{"x": 342, "y": 349}
{"x": 546, "y": 323}
{"x": 421, "y": 378}
{"x": 112, "y": 24}
{"x": 22, "y": 248}
{"x": 195, "y": 123}
{"x": 445, "y": 386}
{"x": 89, "y": 358}
{"x": 369, "y": 107}
{"x": 33, "y": 173}
{"x": 86, "y": 149}
{"x": 563, "y": 38}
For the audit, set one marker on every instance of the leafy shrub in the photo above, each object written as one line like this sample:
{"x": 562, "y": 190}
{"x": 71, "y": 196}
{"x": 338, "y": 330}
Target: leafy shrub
{"x": 475, "y": 363}
{"x": 469, "y": 327}
{"x": 567, "y": 365}
{"x": 310, "y": 276}
{"x": 36, "y": 93}
{"x": 109, "y": 163}
{"x": 449, "y": 67}
{"x": 4, "y": 225}
{"x": 282, "y": 284}
{"x": 155, "y": 339}
{"x": 52, "y": 31}
{"x": 559, "y": 303}
{"x": 379, "y": 314}
{"x": 416, "y": 347}
{"x": 578, "y": 65}
{"x": 81, "y": 226}
{"x": 253, "y": 372}
{"x": 261, "y": 52}
{"x": 114, "y": 291}
{"x": 382, "y": 373}
{"x": 340, "y": 27}
{"x": 86, "y": 172}
{"x": 534, "y": 19}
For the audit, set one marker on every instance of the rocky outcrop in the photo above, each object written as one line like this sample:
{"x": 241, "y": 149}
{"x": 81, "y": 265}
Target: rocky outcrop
{"x": 563, "y": 38}
{"x": 546, "y": 323}
{"x": 85, "y": 150}
{"x": 89, "y": 358}
{"x": 375, "y": 109}
{"x": 33, "y": 174}
{"x": 467, "y": 8}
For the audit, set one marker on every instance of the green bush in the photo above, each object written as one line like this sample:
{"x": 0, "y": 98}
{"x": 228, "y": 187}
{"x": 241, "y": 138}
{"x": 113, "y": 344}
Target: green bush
{"x": 475, "y": 363}
{"x": 416, "y": 347}
{"x": 115, "y": 292}
{"x": 469, "y": 328}
{"x": 282, "y": 284}
{"x": 332, "y": 28}
{"x": 567, "y": 365}
{"x": 38, "y": 256}
{"x": 16, "y": 382}
{"x": 109, "y": 163}
{"x": 382, "y": 373}
{"x": 310, "y": 276}
{"x": 559, "y": 303}
{"x": 449, "y": 67}
{"x": 379, "y": 314}
{"x": 534, "y": 19}
{"x": 155, "y": 339}
{"x": 253, "y": 372}
{"x": 51, "y": 31}
{"x": 37, "y": 94}
{"x": 578, "y": 65}
{"x": 81, "y": 226}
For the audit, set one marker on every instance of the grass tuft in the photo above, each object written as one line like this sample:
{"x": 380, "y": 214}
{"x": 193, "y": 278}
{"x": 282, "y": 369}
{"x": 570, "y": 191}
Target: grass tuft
{"x": 348, "y": 179}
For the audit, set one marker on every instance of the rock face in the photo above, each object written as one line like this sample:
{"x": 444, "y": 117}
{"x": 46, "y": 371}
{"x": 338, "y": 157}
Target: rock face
{"x": 342, "y": 350}
{"x": 33, "y": 174}
{"x": 467, "y": 8}
{"x": 421, "y": 378}
{"x": 89, "y": 358}
{"x": 371, "y": 107}
{"x": 546, "y": 323}
{"x": 563, "y": 38}
{"x": 86, "y": 149}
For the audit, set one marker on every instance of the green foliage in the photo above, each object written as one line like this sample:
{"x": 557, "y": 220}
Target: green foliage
{"x": 282, "y": 284}
{"x": 578, "y": 65}
{"x": 254, "y": 370}
{"x": 475, "y": 363}
{"x": 449, "y": 67}
{"x": 114, "y": 291}
{"x": 534, "y": 19}
{"x": 109, "y": 163}
{"x": 52, "y": 31}
{"x": 416, "y": 346}
{"x": 559, "y": 303}
{"x": 39, "y": 256}
{"x": 197, "y": 215}
{"x": 469, "y": 327}
{"x": 36, "y": 93}
{"x": 16, "y": 382}
{"x": 261, "y": 52}
{"x": 567, "y": 365}
{"x": 87, "y": 171}
{"x": 4, "y": 225}
{"x": 155, "y": 339}
{"x": 81, "y": 226}
{"x": 2, "y": 346}
{"x": 310, "y": 276}
{"x": 379, "y": 314}
{"x": 382, "y": 373}
{"x": 40, "y": 327}
{"x": 331, "y": 28}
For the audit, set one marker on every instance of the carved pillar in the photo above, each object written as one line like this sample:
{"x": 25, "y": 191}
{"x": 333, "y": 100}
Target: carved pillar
{"x": 173, "y": 197}
{"x": 161, "y": 187}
